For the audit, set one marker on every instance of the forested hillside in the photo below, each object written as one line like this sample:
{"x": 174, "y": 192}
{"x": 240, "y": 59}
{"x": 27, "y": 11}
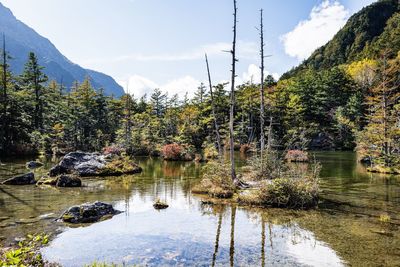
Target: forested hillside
{"x": 365, "y": 34}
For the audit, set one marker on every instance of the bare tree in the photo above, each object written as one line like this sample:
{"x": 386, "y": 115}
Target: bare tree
{"x": 128, "y": 123}
{"x": 262, "y": 109}
{"x": 232, "y": 104}
{"x": 4, "y": 81}
{"x": 218, "y": 137}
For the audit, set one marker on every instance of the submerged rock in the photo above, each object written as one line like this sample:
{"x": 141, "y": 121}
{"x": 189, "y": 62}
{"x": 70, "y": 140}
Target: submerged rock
{"x": 68, "y": 181}
{"x": 24, "y": 179}
{"x": 94, "y": 164}
{"x": 159, "y": 205}
{"x": 61, "y": 181}
{"x": 33, "y": 164}
{"x": 89, "y": 213}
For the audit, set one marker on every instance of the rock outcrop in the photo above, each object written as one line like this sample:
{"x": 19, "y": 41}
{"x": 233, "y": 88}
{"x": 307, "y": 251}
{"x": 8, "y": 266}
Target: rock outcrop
{"x": 89, "y": 213}
{"x": 94, "y": 164}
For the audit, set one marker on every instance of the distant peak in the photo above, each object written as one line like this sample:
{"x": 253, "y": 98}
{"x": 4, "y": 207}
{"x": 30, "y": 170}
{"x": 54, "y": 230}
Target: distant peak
{"x": 5, "y": 11}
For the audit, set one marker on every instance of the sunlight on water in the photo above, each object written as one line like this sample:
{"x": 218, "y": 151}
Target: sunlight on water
{"x": 344, "y": 230}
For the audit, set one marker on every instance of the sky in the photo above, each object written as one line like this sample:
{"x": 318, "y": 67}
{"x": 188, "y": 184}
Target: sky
{"x": 147, "y": 44}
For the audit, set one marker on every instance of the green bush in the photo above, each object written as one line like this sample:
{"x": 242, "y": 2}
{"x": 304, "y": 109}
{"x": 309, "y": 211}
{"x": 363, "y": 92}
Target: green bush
{"x": 216, "y": 182}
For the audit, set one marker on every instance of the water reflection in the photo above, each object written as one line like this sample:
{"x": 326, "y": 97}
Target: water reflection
{"x": 190, "y": 232}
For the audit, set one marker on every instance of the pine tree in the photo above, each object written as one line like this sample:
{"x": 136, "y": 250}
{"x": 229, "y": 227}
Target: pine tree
{"x": 33, "y": 80}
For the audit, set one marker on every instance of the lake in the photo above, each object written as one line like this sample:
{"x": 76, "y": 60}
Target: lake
{"x": 345, "y": 229}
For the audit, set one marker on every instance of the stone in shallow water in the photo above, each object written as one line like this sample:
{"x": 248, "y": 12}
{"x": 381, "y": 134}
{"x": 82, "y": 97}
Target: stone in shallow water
{"x": 68, "y": 181}
{"x": 33, "y": 164}
{"x": 24, "y": 179}
{"x": 89, "y": 213}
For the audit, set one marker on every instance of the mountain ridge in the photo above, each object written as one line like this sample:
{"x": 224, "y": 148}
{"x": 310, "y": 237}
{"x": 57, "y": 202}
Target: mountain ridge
{"x": 22, "y": 39}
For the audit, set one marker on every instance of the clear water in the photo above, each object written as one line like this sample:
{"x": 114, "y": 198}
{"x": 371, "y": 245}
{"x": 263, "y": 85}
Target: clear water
{"x": 344, "y": 230}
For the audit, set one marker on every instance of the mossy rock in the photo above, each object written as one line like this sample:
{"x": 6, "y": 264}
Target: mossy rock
{"x": 89, "y": 213}
{"x": 384, "y": 170}
{"x": 47, "y": 181}
{"x": 120, "y": 166}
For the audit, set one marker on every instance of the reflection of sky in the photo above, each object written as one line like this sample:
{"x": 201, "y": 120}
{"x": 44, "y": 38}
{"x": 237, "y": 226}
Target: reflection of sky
{"x": 183, "y": 235}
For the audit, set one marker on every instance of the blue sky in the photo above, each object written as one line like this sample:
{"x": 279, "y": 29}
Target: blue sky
{"x": 160, "y": 43}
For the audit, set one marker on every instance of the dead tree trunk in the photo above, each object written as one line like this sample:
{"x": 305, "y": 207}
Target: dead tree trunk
{"x": 232, "y": 102}
{"x": 218, "y": 137}
{"x": 217, "y": 239}
{"x": 5, "y": 136}
{"x": 128, "y": 120}
{"x": 262, "y": 109}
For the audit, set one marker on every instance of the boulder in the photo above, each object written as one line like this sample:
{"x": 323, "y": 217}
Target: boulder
{"x": 68, "y": 181}
{"x": 89, "y": 213}
{"x": 24, "y": 179}
{"x": 57, "y": 170}
{"x": 94, "y": 164}
{"x": 33, "y": 164}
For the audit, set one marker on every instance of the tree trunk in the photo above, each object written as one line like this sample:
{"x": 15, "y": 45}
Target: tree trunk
{"x": 262, "y": 109}
{"x": 218, "y": 137}
{"x": 232, "y": 243}
{"x": 5, "y": 96}
{"x": 217, "y": 239}
{"x": 232, "y": 102}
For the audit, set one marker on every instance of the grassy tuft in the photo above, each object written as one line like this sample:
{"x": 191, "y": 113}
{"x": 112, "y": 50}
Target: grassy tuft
{"x": 216, "y": 181}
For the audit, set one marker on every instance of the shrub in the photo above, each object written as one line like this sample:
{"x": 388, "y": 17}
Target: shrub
{"x": 216, "y": 181}
{"x": 270, "y": 166}
{"x": 247, "y": 149}
{"x": 113, "y": 150}
{"x": 297, "y": 187}
{"x": 210, "y": 152}
{"x": 285, "y": 193}
{"x": 174, "y": 152}
{"x": 296, "y": 156}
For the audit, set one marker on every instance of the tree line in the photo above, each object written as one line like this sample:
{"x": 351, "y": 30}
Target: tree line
{"x": 346, "y": 106}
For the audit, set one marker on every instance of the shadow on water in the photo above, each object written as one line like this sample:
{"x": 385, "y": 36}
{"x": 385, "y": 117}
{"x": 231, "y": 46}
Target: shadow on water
{"x": 344, "y": 230}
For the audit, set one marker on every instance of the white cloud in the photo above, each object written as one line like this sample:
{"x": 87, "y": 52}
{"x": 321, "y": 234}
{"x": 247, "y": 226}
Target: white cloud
{"x": 253, "y": 73}
{"x": 246, "y": 50}
{"x": 139, "y": 86}
{"x": 181, "y": 86}
{"x": 324, "y": 22}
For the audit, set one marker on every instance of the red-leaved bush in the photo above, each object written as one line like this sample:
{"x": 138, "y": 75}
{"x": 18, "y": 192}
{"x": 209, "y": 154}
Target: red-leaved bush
{"x": 296, "y": 156}
{"x": 172, "y": 152}
{"x": 113, "y": 150}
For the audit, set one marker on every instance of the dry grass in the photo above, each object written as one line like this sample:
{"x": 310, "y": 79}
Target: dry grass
{"x": 216, "y": 181}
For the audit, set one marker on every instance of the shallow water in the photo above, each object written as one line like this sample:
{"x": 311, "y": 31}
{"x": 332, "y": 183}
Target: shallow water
{"x": 344, "y": 230}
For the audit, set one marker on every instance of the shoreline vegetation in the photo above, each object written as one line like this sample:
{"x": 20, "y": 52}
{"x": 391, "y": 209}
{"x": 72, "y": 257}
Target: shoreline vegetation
{"x": 331, "y": 101}
{"x": 270, "y": 182}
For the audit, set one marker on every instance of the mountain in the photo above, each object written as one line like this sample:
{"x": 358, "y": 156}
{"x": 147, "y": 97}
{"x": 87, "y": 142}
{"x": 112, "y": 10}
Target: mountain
{"x": 365, "y": 34}
{"x": 21, "y": 39}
